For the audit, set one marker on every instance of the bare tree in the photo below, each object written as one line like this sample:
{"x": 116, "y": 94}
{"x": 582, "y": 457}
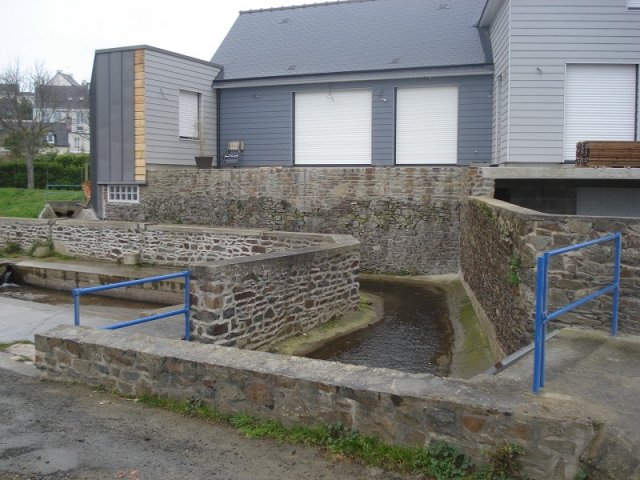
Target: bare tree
{"x": 28, "y": 106}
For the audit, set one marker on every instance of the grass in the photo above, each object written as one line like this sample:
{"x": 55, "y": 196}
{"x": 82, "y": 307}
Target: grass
{"x": 24, "y": 203}
{"x": 4, "y": 346}
{"x": 442, "y": 461}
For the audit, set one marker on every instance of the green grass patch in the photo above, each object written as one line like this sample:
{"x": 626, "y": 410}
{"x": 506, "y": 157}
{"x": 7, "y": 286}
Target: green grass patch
{"x": 5, "y": 345}
{"x": 25, "y": 203}
{"x": 441, "y": 461}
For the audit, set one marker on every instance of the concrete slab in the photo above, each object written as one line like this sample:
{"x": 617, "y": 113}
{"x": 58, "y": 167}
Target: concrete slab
{"x": 21, "y": 320}
{"x": 590, "y": 373}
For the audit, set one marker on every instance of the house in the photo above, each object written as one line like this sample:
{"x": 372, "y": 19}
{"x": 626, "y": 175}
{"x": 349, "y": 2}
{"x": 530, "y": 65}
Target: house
{"x": 358, "y": 83}
{"x": 381, "y": 83}
{"x": 69, "y": 104}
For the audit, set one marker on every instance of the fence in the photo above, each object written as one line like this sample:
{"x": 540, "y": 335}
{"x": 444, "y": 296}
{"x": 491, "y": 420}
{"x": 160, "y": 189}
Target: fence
{"x": 81, "y": 291}
{"x": 542, "y": 317}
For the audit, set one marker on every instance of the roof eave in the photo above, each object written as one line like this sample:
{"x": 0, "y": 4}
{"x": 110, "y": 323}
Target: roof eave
{"x": 445, "y": 71}
{"x": 489, "y": 13}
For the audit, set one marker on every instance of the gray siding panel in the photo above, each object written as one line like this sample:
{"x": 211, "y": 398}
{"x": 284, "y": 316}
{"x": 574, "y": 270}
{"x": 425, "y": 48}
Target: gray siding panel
{"x": 262, "y": 118}
{"x": 165, "y": 76}
{"x": 545, "y": 36}
{"x": 128, "y": 132}
{"x": 112, "y": 93}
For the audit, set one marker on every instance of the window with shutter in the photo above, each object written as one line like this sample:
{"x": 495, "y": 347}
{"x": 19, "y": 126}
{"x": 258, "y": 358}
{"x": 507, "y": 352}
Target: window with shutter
{"x": 189, "y": 114}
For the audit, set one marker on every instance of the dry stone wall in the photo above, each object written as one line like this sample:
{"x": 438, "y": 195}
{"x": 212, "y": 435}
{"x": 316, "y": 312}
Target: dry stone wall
{"x": 252, "y": 302}
{"x": 400, "y": 408}
{"x": 500, "y": 243}
{"x": 405, "y": 218}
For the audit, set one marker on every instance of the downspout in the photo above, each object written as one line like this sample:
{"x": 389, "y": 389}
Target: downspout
{"x": 218, "y": 151}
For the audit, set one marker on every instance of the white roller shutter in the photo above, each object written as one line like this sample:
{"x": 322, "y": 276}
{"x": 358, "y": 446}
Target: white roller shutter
{"x": 333, "y": 128}
{"x": 427, "y": 125}
{"x": 600, "y": 104}
{"x": 188, "y": 114}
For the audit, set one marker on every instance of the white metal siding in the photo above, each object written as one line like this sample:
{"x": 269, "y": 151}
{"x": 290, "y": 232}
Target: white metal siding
{"x": 427, "y": 125}
{"x": 600, "y": 104}
{"x": 545, "y": 36}
{"x": 333, "y": 127}
{"x": 499, "y": 33}
{"x": 188, "y": 116}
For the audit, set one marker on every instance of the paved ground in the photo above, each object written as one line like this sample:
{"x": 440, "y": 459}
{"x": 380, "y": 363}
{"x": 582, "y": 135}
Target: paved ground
{"x": 21, "y": 320}
{"x": 51, "y": 430}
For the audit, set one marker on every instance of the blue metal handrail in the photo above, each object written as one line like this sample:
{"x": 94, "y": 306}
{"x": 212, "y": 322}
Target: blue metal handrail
{"x": 542, "y": 317}
{"x": 81, "y": 291}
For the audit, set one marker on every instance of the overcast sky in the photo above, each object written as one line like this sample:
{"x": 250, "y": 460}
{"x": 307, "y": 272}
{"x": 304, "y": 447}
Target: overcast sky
{"x": 64, "y": 34}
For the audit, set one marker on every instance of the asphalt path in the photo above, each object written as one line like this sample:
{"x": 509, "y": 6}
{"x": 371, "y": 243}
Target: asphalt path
{"x": 51, "y": 430}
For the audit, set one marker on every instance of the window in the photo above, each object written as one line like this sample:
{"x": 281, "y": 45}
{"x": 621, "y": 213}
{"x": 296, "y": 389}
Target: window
{"x": 123, "y": 193}
{"x": 51, "y": 139}
{"x": 189, "y": 114}
{"x": 76, "y": 143}
{"x": 427, "y": 125}
{"x": 70, "y": 99}
{"x": 633, "y": 5}
{"x": 333, "y": 127}
{"x": 81, "y": 99}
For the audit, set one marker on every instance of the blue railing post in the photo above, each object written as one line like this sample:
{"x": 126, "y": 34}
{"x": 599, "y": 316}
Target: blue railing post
{"x": 76, "y": 307}
{"x": 187, "y": 333}
{"x": 537, "y": 366}
{"x": 616, "y": 283}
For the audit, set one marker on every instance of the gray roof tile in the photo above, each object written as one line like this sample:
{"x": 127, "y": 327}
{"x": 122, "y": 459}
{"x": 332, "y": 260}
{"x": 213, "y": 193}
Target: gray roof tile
{"x": 354, "y": 36}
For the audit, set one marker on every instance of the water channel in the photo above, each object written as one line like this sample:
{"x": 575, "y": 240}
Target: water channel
{"x": 414, "y": 336}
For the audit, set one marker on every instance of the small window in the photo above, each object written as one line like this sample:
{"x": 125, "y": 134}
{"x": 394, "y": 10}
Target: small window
{"x": 70, "y": 99}
{"x": 633, "y": 5}
{"x": 76, "y": 143}
{"x": 51, "y": 139}
{"x": 123, "y": 193}
{"x": 189, "y": 114}
{"x": 81, "y": 99}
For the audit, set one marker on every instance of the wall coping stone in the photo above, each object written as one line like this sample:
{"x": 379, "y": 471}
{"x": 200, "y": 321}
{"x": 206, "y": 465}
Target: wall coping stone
{"x": 560, "y": 172}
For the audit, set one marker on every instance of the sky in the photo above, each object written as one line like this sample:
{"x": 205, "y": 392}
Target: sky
{"x": 64, "y": 34}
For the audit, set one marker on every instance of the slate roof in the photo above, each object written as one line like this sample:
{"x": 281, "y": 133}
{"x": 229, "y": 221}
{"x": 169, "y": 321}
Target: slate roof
{"x": 354, "y": 36}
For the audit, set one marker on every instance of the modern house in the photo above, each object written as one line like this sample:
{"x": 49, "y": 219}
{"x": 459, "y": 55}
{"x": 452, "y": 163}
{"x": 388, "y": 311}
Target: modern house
{"x": 378, "y": 83}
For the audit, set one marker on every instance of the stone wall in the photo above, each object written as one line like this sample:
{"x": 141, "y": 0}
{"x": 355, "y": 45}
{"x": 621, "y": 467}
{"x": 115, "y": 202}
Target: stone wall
{"x": 24, "y": 232}
{"x": 252, "y": 302}
{"x": 405, "y": 218}
{"x": 171, "y": 245}
{"x": 494, "y": 234}
{"x": 400, "y": 408}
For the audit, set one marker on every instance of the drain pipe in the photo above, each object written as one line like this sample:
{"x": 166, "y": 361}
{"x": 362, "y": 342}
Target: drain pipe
{"x": 7, "y": 274}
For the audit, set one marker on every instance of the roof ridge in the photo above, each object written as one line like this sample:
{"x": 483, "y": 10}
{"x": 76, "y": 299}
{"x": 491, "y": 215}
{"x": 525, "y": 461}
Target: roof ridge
{"x": 306, "y": 5}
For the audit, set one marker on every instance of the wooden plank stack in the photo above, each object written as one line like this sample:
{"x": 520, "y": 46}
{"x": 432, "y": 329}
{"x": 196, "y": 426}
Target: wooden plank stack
{"x": 608, "y": 154}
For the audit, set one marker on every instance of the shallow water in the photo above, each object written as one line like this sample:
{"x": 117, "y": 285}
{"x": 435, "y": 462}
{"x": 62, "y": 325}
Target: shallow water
{"x": 414, "y": 336}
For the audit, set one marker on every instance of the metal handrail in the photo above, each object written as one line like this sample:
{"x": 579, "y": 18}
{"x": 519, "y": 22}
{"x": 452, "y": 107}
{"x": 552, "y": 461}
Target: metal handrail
{"x": 81, "y": 291}
{"x": 542, "y": 317}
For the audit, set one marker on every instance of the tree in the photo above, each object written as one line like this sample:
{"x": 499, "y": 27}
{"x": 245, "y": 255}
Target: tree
{"x": 26, "y": 118}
